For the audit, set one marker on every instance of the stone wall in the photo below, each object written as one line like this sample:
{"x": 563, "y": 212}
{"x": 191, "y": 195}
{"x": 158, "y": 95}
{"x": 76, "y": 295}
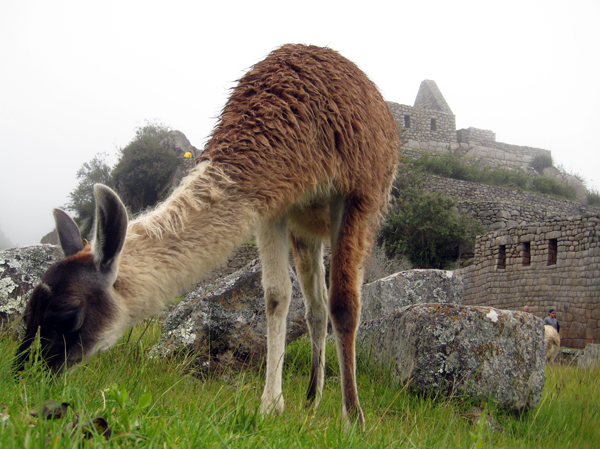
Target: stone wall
{"x": 416, "y": 125}
{"x": 501, "y": 207}
{"x": 555, "y": 264}
{"x": 475, "y": 135}
{"x": 494, "y": 154}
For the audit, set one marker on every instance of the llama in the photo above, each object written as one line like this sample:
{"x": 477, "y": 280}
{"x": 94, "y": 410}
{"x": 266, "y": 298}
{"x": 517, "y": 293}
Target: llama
{"x": 305, "y": 149}
{"x": 552, "y": 343}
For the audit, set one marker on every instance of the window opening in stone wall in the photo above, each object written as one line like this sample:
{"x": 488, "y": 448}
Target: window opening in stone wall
{"x": 501, "y": 257}
{"x": 552, "y": 251}
{"x": 433, "y": 125}
{"x": 526, "y": 254}
{"x": 407, "y": 121}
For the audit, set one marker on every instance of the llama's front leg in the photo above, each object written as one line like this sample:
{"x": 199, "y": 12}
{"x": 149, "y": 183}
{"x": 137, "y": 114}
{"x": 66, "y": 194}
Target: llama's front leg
{"x": 348, "y": 249}
{"x": 273, "y": 247}
{"x": 311, "y": 274}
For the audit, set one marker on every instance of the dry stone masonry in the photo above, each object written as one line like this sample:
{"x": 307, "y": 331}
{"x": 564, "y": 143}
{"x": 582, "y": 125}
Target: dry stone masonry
{"x": 555, "y": 264}
{"x": 500, "y": 207}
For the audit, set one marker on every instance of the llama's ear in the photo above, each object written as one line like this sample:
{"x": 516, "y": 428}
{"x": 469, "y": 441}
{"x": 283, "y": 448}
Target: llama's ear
{"x": 110, "y": 228}
{"x": 68, "y": 233}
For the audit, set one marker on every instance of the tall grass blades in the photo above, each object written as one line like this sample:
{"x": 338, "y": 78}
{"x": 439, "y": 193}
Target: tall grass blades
{"x": 158, "y": 403}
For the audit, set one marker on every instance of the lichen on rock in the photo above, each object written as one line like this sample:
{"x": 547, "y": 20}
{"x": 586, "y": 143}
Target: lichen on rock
{"x": 20, "y": 270}
{"x": 479, "y": 352}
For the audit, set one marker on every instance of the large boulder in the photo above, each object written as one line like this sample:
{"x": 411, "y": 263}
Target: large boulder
{"x": 224, "y": 323}
{"x": 20, "y": 270}
{"x": 590, "y": 356}
{"x": 477, "y": 352}
{"x": 404, "y": 288}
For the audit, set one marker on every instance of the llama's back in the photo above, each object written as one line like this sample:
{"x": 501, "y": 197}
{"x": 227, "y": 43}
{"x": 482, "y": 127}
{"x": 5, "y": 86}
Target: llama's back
{"x": 306, "y": 119}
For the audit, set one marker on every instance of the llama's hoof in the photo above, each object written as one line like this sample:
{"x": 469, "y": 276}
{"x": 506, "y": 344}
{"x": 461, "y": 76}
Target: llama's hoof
{"x": 356, "y": 417}
{"x": 272, "y": 405}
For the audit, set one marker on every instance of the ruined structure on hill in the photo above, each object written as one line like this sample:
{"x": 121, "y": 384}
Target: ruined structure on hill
{"x": 430, "y": 125}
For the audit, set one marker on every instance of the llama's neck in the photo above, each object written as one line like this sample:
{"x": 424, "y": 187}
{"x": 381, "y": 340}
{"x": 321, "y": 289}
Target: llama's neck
{"x": 194, "y": 231}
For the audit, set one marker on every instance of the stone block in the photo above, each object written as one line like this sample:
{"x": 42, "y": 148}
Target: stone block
{"x": 589, "y": 357}
{"x": 404, "y": 288}
{"x": 225, "y": 321}
{"x": 478, "y": 352}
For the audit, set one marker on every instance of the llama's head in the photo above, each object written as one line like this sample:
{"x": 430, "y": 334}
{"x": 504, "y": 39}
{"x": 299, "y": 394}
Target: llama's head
{"x": 73, "y": 306}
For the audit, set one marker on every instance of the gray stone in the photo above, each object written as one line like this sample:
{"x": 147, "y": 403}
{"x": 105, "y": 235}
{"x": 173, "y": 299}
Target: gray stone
{"x": 20, "y": 270}
{"x": 51, "y": 238}
{"x": 224, "y": 323}
{"x": 478, "y": 352}
{"x": 404, "y": 288}
{"x": 590, "y": 356}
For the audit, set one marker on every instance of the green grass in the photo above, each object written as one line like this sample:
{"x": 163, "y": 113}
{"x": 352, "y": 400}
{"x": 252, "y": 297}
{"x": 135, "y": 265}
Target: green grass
{"x": 162, "y": 403}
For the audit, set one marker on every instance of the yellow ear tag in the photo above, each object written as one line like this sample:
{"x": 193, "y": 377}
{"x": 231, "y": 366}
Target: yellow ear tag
{"x": 85, "y": 242}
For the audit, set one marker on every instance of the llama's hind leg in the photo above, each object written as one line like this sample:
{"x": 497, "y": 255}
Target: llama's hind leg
{"x": 348, "y": 251}
{"x": 274, "y": 254}
{"x": 311, "y": 274}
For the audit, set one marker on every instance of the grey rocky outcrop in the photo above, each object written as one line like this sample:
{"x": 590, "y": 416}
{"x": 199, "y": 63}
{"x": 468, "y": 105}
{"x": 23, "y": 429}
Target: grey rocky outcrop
{"x": 590, "y": 356}
{"x": 477, "y": 352}
{"x": 20, "y": 270}
{"x": 225, "y": 322}
{"x": 404, "y": 288}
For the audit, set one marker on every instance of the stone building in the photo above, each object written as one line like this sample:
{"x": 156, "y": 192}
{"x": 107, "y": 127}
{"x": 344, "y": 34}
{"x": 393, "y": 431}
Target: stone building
{"x": 555, "y": 264}
{"x": 430, "y": 125}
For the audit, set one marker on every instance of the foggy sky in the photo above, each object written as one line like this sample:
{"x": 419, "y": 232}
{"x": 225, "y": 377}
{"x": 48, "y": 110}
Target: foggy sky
{"x": 77, "y": 78}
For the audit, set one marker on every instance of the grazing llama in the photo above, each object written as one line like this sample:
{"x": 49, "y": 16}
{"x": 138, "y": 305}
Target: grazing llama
{"x": 552, "y": 343}
{"x": 305, "y": 147}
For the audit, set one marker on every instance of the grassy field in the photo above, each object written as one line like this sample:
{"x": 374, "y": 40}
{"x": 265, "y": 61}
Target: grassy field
{"x": 164, "y": 404}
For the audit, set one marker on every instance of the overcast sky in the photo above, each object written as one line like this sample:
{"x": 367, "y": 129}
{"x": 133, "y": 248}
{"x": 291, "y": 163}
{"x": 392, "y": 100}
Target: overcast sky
{"x": 77, "y": 77}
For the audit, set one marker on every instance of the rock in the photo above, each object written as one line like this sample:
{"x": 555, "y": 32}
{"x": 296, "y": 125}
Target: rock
{"x": 225, "y": 322}
{"x": 20, "y": 270}
{"x": 404, "y": 288}
{"x": 478, "y": 352}
{"x": 590, "y": 356}
{"x": 51, "y": 238}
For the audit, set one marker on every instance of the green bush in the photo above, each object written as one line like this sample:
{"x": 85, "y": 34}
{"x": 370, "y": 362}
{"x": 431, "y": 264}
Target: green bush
{"x": 145, "y": 167}
{"x": 541, "y": 161}
{"x": 551, "y": 186}
{"x": 503, "y": 177}
{"x": 447, "y": 166}
{"x": 593, "y": 198}
{"x": 428, "y": 229}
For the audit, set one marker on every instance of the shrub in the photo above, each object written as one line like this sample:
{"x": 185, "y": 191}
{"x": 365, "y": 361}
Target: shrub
{"x": 428, "y": 229}
{"x": 593, "y": 198}
{"x": 551, "y": 186}
{"x": 145, "y": 167}
{"x": 448, "y": 166}
{"x": 541, "y": 161}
